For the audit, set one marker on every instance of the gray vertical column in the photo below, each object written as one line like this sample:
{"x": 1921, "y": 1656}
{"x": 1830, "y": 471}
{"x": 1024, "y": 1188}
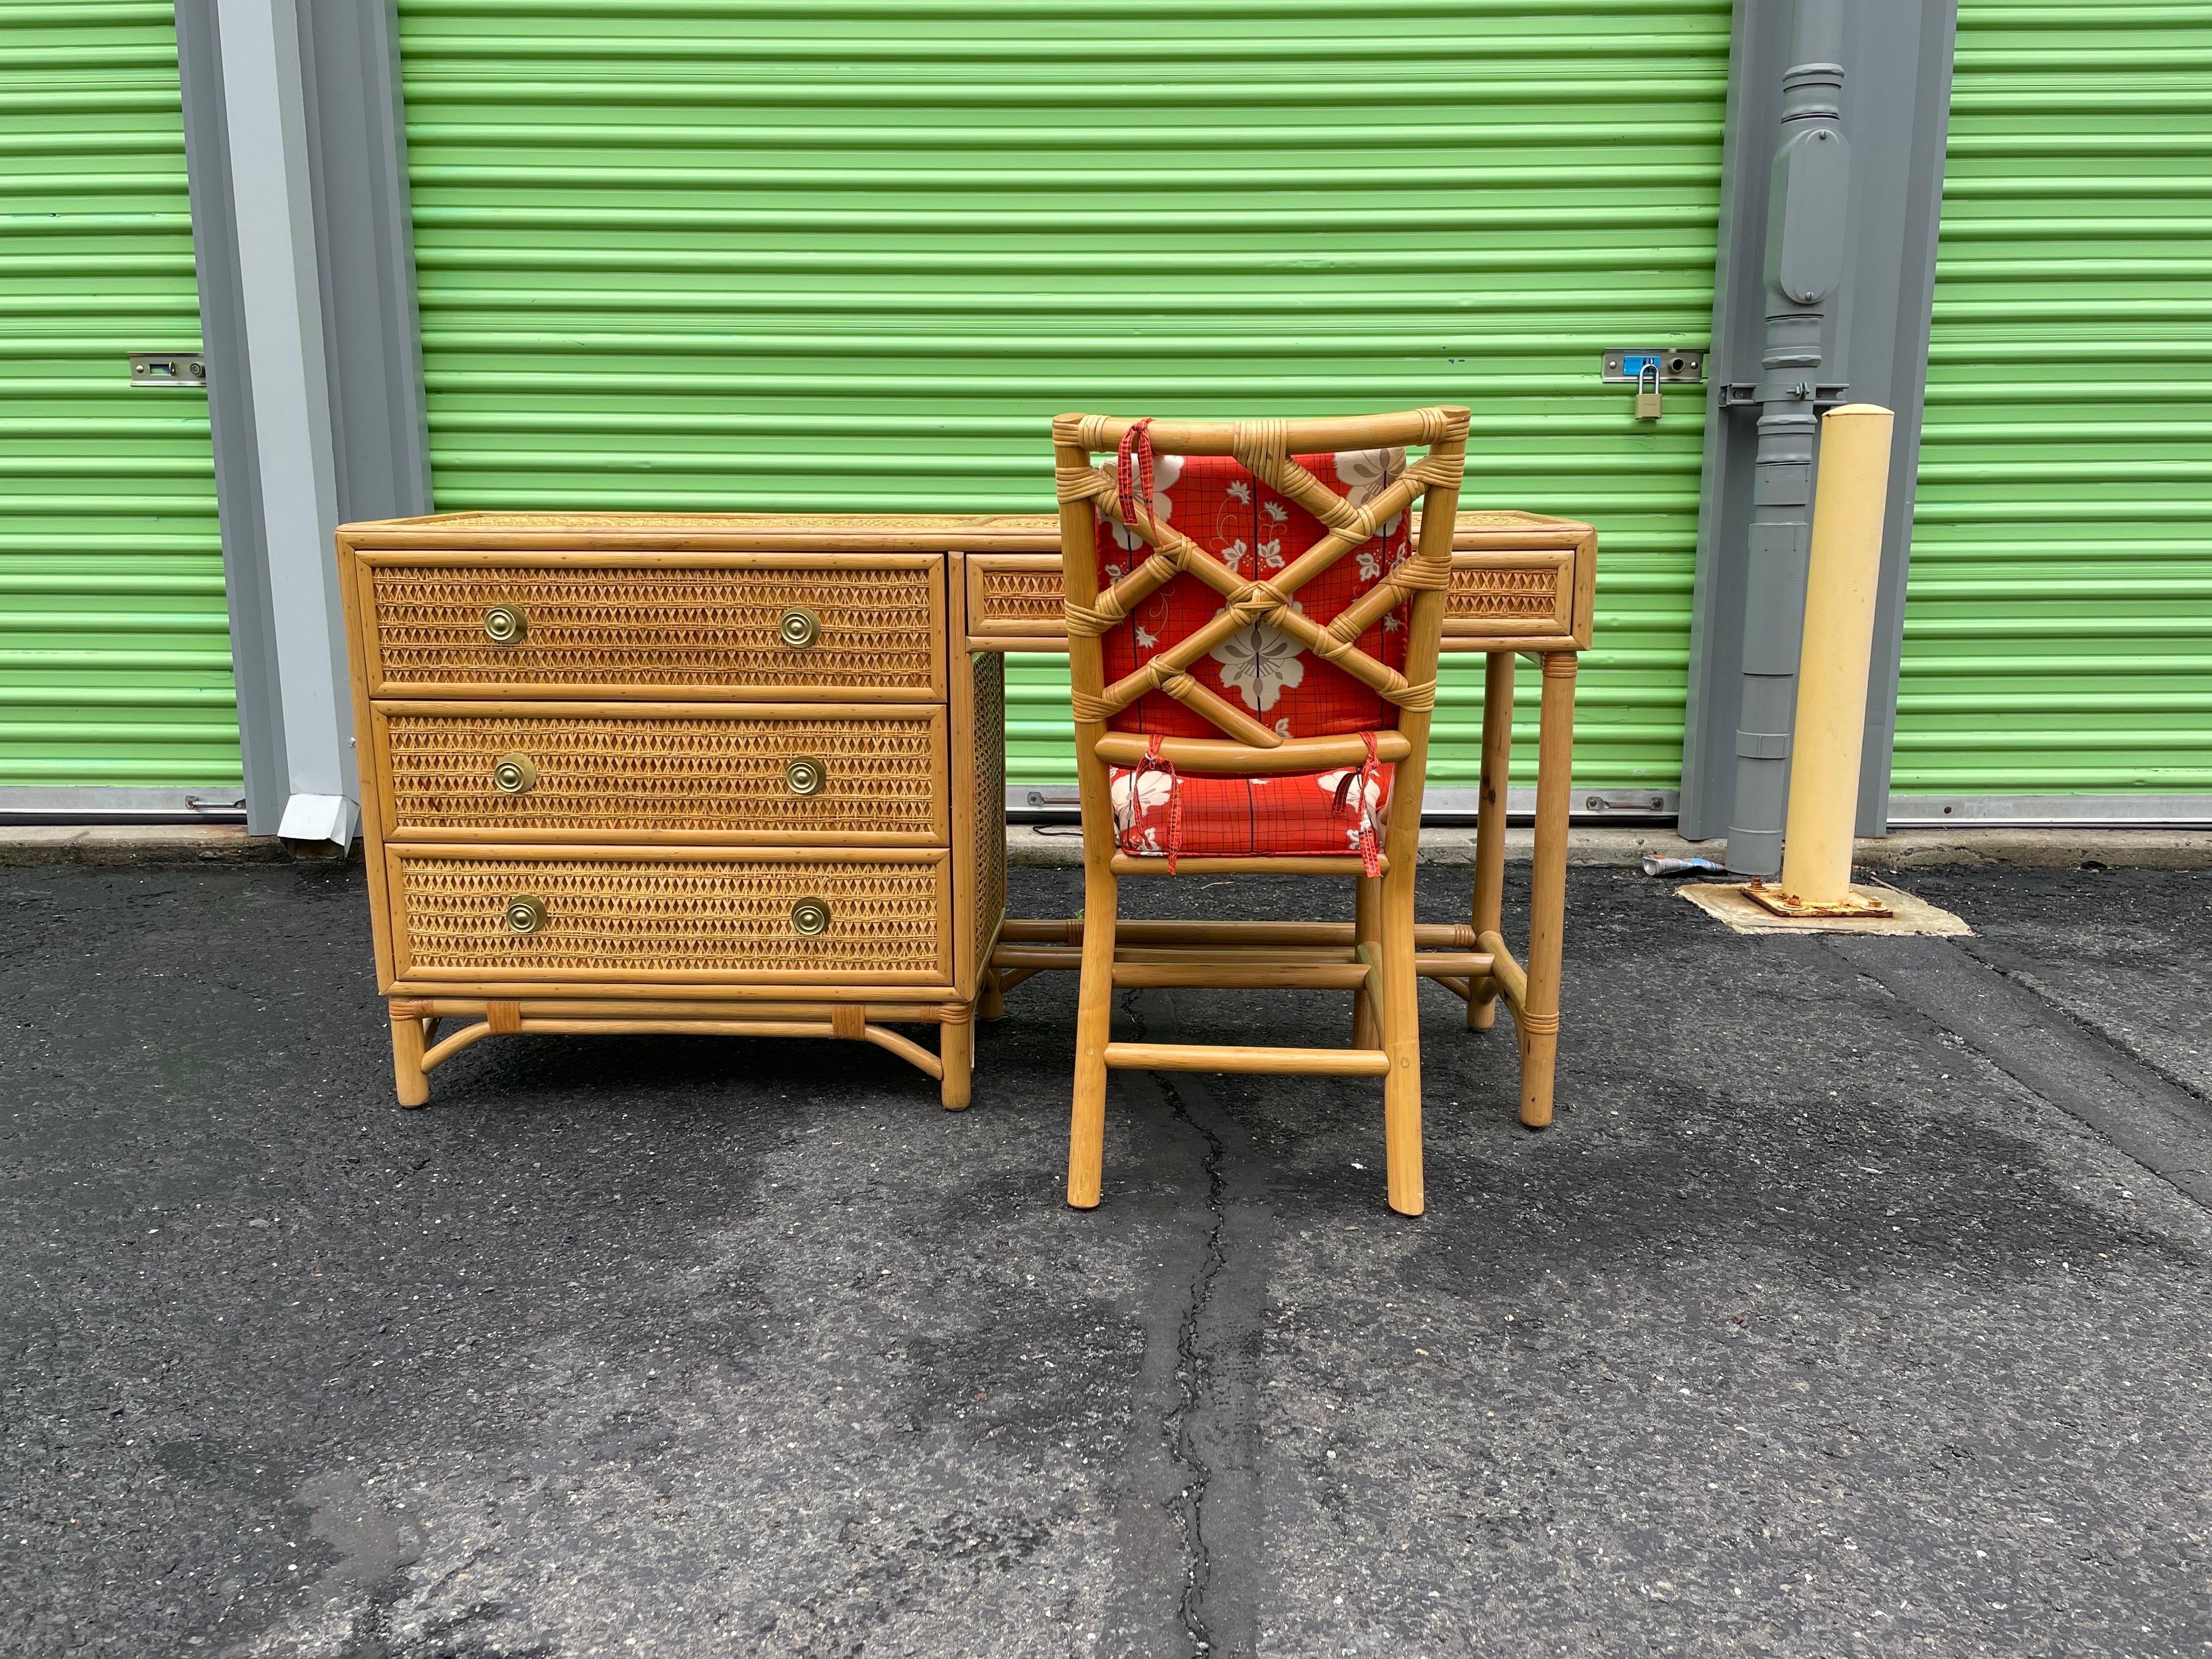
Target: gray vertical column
{"x": 1808, "y": 192}
{"x": 1891, "y": 63}
{"x": 302, "y": 234}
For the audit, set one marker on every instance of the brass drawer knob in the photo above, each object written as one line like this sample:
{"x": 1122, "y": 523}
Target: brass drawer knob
{"x": 798, "y": 627}
{"x": 506, "y": 624}
{"x": 525, "y": 913}
{"x": 810, "y": 918}
{"x": 513, "y": 775}
{"x": 803, "y": 774}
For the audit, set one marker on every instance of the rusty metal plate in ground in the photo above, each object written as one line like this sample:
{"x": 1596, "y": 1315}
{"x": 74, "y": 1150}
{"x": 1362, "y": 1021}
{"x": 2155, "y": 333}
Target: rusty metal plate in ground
{"x": 1854, "y": 903}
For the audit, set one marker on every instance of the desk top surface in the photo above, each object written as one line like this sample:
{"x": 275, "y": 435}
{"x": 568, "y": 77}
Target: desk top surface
{"x": 1009, "y": 532}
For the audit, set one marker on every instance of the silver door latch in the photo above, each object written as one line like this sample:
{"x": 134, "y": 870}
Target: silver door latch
{"x": 170, "y": 370}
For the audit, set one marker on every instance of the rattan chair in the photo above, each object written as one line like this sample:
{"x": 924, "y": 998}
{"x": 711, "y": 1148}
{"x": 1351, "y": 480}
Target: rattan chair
{"x": 1271, "y": 638}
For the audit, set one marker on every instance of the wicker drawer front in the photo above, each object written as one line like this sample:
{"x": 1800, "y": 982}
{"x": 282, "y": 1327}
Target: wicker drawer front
{"x": 622, "y": 917}
{"x": 607, "y": 773}
{"x": 606, "y": 627}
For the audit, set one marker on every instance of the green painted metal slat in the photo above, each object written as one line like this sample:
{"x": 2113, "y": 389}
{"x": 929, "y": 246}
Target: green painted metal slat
{"x": 2058, "y": 620}
{"x": 682, "y": 255}
{"x": 115, "y": 667}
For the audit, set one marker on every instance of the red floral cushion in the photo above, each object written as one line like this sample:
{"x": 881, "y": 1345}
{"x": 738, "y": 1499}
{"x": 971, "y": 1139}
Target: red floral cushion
{"x": 1158, "y": 812}
{"x": 1256, "y": 532}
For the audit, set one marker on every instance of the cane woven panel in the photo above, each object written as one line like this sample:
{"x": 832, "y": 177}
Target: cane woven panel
{"x": 990, "y": 798}
{"x": 1018, "y": 597}
{"x": 1530, "y": 593}
{"x": 1015, "y": 595}
{"x": 612, "y": 919}
{"x": 662, "y": 774}
{"x": 705, "y": 631}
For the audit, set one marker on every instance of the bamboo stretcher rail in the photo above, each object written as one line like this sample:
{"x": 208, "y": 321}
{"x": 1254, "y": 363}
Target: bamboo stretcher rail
{"x": 1370, "y": 975}
{"x": 1258, "y": 865}
{"x": 1028, "y": 959}
{"x": 1453, "y": 964}
{"x": 1222, "y": 1057}
{"x": 1205, "y": 975}
{"x": 1231, "y": 953}
{"x": 1416, "y": 426}
{"x": 1203, "y": 755}
{"x": 622, "y": 1008}
{"x": 1433, "y": 936}
{"x": 446, "y": 1048}
{"x": 904, "y": 1047}
{"x": 1512, "y": 978}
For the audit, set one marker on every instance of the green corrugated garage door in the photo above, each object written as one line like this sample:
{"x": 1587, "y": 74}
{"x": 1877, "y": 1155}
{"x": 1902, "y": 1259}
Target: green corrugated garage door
{"x": 114, "y": 644}
{"x": 2058, "y": 629}
{"x": 685, "y": 256}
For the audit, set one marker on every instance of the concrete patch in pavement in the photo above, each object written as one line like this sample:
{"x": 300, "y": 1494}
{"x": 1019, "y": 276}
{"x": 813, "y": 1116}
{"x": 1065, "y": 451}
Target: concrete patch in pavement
{"x": 1727, "y": 902}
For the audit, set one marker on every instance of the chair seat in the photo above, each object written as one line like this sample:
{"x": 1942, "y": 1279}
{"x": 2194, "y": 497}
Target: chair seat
{"x": 1241, "y": 816}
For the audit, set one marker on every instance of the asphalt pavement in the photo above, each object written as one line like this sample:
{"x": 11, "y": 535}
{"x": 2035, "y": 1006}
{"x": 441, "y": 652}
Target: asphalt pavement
{"x": 1858, "y": 1302}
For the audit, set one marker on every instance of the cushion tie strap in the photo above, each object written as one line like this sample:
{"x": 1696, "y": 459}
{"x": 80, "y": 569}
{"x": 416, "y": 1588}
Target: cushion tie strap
{"x": 1155, "y": 761}
{"x": 1132, "y": 473}
{"x": 1370, "y": 850}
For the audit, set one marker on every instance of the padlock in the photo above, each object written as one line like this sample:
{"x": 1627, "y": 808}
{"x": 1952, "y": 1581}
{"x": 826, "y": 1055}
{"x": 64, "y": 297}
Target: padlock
{"x": 1650, "y": 406}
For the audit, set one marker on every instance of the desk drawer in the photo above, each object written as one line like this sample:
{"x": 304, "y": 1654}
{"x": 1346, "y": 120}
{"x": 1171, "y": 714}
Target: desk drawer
{"x": 610, "y": 772}
{"x": 762, "y": 626}
{"x": 631, "y": 915}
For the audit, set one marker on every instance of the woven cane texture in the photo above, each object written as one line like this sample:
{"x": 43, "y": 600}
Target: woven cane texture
{"x": 990, "y": 797}
{"x": 661, "y": 775}
{"x": 676, "y": 627}
{"x": 615, "y": 917}
{"x": 1487, "y": 593}
{"x": 1020, "y": 598}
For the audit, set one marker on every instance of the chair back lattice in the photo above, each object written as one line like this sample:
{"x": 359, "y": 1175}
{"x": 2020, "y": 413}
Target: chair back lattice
{"x": 1229, "y": 562}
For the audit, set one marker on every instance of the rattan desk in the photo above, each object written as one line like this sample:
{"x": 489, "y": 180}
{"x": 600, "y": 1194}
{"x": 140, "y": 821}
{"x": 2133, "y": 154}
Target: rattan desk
{"x": 743, "y": 774}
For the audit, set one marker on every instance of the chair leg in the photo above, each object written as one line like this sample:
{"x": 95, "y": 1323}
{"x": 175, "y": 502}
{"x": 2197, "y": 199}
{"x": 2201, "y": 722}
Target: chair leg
{"x": 1402, "y": 1040}
{"x": 1367, "y": 929}
{"x": 955, "y": 1051}
{"x": 1094, "y": 1019}
{"x": 407, "y": 1074}
{"x": 1538, "y": 1019}
{"x": 1489, "y": 818}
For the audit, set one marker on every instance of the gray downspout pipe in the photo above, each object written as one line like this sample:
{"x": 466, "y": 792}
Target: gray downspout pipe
{"x": 1808, "y": 194}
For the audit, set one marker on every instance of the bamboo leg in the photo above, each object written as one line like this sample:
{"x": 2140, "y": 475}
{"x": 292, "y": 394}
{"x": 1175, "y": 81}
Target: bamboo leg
{"x": 1490, "y": 817}
{"x": 1094, "y": 1019}
{"x": 1538, "y": 1018}
{"x": 407, "y": 1057}
{"x": 956, "y": 1052}
{"x": 1366, "y": 929}
{"x": 1401, "y": 1041}
{"x": 991, "y": 1002}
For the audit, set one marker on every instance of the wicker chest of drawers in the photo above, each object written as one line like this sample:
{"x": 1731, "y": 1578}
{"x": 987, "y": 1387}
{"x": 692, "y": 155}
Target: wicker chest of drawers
{"x": 731, "y": 773}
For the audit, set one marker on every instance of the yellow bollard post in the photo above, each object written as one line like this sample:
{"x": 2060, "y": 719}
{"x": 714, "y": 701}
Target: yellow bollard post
{"x": 1826, "y": 744}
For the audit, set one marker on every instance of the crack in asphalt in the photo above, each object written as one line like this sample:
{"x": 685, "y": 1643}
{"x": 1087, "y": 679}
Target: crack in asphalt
{"x": 2088, "y": 1028}
{"x": 1193, "y": 1374}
